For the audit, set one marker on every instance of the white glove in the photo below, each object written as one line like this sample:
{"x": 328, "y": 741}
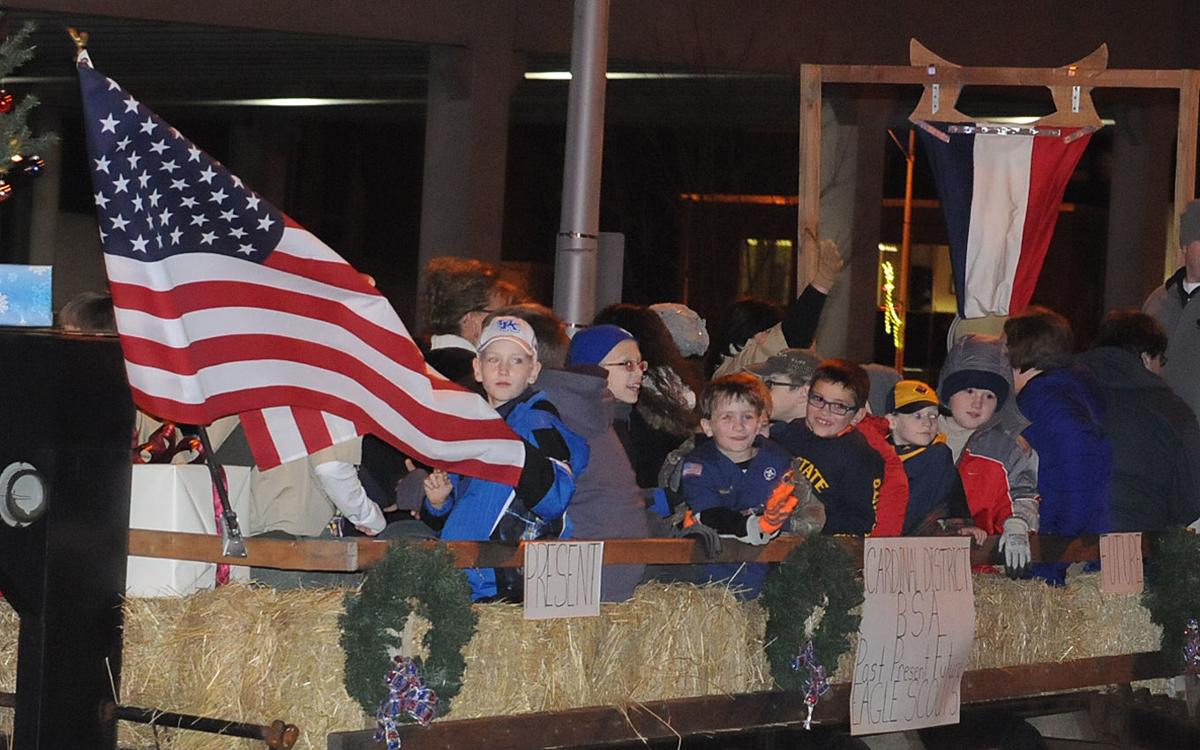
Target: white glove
{"x": 1014, "y": 543}
{"x": 754, "y": 532}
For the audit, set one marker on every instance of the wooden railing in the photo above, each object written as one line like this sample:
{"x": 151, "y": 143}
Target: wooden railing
{"x": 360, "y": 553}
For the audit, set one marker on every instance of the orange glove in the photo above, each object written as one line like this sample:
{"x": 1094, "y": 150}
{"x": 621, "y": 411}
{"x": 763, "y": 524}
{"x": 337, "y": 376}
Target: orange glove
{"x": 780, "y": 506}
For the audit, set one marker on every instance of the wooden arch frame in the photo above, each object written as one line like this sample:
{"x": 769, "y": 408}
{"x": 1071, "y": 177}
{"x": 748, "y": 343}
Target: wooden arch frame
{"x": 951, "y": 77}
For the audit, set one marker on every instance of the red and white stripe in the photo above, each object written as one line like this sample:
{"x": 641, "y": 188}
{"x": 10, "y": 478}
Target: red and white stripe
{"x": 1016, "y": 192}
{"x": 305, "y": 338}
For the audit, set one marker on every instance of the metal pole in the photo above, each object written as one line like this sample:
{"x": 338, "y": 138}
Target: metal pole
{"x": 905, "y": 240}
{"x": 579, "y": 228}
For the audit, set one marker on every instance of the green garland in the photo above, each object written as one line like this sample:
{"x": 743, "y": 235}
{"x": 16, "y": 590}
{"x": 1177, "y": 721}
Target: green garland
{"x": 1172, "y": 591}
{"x": 818, "y": 573}
{"x": 441, "y": 595}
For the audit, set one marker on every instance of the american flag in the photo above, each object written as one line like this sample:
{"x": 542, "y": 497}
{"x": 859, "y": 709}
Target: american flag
{"x": 226, "y": 306}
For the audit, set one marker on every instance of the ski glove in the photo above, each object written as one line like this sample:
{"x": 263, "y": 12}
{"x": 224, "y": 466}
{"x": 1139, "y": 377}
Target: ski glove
{"x": 1014, "y": 543}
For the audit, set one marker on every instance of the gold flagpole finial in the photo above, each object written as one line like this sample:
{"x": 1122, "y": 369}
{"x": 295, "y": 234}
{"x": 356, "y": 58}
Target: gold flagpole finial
{"x": 79, "y": 37}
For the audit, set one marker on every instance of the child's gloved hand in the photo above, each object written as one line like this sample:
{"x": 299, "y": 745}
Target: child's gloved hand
{"x": 706, "y": 535}
{"x": 1014, "y": 543}
{"x": 758, "y": 531}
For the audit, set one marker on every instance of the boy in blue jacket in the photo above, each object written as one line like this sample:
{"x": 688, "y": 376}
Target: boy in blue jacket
{"x": 727, "y": 481}
{"x": 507, "y": 366}
{"x": 1065, "y": 407}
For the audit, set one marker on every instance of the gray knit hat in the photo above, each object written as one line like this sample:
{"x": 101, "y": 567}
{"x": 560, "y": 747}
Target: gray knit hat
{"x": 686, "y": 327}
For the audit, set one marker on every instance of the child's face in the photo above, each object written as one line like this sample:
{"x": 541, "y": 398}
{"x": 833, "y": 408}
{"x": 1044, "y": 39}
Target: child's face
{"x": 788, "y": 400}
{"x": 733, "y": 426}
{"x": 917, "y": 428}
{"x": 505, "y": 369}
{"x": 832, "y": 407}
{"x": 972, "y": 407}
{"x": 625, "y": 369}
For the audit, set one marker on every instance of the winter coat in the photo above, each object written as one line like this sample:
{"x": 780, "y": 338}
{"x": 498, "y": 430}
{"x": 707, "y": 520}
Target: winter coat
{"x": 935, "y": 490}
{"x": 845, "y": 471}
{"x": 479, "y": 509}
{"x": 998, "y": 468}
{"x": 712, "y": 480}
{"x": 607, "y": 503}
{"x": 1155, "y": 442}
{"x": 1066, "y": 410}
{"x": 893, "y": 493}
{"x": 1180, "y": 315}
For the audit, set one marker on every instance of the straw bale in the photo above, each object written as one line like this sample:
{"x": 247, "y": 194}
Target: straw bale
{"x": 256, "y": 655}
{"x": 677, "y": 641}
{"x": 240, "y": 653}
{"x": 9, "y": 623}
{"x": 1028, "y": 622}
{"x": 514, "y": 665}
{"x": 667, "y": 642}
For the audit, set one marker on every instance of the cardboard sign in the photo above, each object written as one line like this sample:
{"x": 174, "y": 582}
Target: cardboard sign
{"x": 562, "y": 579}
{"x": 1121, "y": 563}
{"x": 918, "y": 623}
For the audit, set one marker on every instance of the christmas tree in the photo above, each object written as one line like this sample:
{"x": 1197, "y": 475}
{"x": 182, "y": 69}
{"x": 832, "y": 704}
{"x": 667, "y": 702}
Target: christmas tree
{"x": 19, "y": 148}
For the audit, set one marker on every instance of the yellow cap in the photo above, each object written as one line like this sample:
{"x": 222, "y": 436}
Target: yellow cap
{"x": 911, "y": 395}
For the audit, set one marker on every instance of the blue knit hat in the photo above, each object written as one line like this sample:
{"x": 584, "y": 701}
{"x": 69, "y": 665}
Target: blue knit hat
{"x": 591, "y": 345}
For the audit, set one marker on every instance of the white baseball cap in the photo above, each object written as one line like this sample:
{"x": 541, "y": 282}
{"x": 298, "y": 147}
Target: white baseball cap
{"x": 509, "y": 328}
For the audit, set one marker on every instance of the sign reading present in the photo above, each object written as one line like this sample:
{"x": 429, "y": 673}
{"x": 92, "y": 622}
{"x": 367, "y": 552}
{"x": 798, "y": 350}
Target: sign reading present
{"x": 918, "y": 623}
{"x": 562, "y": 579}
{"x": 1121, "y": 563}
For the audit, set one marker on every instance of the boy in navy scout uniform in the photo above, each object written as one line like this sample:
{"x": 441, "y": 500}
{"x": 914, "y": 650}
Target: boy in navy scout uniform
{"x": 845, "y": 471}
{"x": 727, "y": 481}
{"x": 937, "y": 503}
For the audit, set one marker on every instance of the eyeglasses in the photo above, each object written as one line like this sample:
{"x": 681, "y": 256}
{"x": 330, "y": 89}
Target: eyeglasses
{"x": 628, "y": 365}
{"x": 782, "y": 384}
{"x": 840, "y": 409}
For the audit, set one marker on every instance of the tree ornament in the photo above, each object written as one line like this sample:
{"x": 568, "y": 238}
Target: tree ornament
{"x": 33, "y": 166}
{"x": 6, "y": 102}
{"x": 5, "y": 191}
{"x": 1191, "y": 647}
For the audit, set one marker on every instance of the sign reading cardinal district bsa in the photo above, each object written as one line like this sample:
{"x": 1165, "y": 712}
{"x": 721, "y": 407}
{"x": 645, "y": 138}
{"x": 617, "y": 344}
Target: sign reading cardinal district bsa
{"x": 562, "y": 579}
{"x": 918, "y": 623}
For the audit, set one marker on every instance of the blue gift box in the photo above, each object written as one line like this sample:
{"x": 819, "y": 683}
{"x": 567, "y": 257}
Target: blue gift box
{"x": 25, "y": 295}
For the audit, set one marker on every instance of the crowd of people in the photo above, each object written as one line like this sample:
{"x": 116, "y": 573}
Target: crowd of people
{"x": 636, "y": 427}
{"x": 1020, "y": 434}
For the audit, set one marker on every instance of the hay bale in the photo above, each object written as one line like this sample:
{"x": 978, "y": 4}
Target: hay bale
{"x": 1028, "y": 622}
{"x": 679, "y": 641}
{"x": 669, "y": 641}
{"x": 9, "y": 623}
{"x": 514, "y": 665}
{"x": 241, "y": 653}
{"x": 256, "y": 655}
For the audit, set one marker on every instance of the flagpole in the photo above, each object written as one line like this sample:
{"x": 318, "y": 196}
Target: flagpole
{"x": 231, "y": 533}
{"x": 905, "y": 243}
{"x": 579, "y": 227}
